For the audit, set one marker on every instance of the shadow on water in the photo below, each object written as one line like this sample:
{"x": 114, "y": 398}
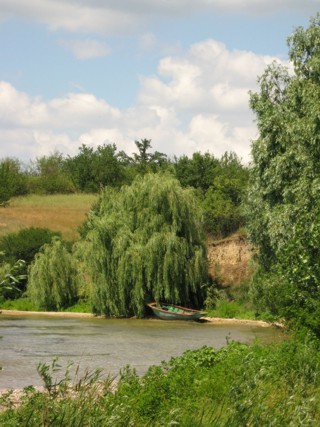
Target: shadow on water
{"x": 107, "y": 344}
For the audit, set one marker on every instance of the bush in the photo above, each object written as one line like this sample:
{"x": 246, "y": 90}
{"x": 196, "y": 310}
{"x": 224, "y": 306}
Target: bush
{"x": 57, "y": 184}
{"x": 23, "y": 304}
{"x": 25, "y": 243}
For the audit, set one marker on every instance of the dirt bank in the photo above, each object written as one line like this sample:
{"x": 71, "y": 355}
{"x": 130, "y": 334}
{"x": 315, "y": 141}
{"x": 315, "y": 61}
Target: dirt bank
{"x": 229, "y": 260}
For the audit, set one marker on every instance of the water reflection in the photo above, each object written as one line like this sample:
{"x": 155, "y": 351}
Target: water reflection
{"x": 109, "y": 344}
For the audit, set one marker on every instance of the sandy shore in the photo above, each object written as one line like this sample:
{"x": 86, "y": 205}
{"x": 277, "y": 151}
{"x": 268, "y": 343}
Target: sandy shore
{"x": 213, "y": 320}
{"x": 45, "y": 313}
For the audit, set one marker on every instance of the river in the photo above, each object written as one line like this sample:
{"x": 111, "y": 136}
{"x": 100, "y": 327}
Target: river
{"x": 108, "y": 344}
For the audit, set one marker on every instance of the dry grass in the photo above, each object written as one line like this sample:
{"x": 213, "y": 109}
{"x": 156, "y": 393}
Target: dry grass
{"x": 60, "y": 212}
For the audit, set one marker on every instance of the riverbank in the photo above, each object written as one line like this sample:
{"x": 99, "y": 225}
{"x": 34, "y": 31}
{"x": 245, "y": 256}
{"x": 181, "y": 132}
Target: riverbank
{"x": 213, "y": 320}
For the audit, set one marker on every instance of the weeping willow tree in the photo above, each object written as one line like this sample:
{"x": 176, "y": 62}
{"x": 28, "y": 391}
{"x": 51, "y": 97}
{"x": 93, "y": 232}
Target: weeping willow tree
{"x": 52, "y": 282}
{"x": 145, "y": 243}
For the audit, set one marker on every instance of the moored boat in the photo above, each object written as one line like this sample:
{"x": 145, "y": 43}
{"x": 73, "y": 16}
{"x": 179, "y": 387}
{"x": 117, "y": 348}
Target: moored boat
{"x": 175, "y": 312}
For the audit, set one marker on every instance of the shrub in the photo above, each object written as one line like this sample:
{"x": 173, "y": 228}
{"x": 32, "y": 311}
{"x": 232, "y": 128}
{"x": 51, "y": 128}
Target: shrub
{"x": 25, "y": 243}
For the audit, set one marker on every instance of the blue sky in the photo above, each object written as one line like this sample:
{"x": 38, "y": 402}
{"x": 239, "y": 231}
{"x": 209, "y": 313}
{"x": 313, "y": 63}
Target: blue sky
{"x": 109, "y": 71}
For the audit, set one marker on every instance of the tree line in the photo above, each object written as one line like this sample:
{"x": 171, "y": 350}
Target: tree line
{"x": 220, "y": 183}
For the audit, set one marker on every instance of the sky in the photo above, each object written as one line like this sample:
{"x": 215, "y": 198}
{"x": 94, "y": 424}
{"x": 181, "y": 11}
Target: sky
{"x": 177, "y": 72}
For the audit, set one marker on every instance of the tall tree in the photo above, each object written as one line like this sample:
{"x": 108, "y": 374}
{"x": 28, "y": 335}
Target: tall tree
{"x": 284, "y": 192}
{"x": 223, "y": 200}
{"x": 146, "y": 161}
{"x": 198, "y": 171}
{"x": 145, "y": 244}
{"x": 92, "y": 168}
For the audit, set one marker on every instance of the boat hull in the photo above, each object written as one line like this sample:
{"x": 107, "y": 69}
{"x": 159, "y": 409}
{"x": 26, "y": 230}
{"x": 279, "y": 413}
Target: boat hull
{"x": 174, "y": 312}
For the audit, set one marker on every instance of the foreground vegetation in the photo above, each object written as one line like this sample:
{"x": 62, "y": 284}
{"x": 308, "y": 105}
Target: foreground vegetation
{"x": 259, "y": 385}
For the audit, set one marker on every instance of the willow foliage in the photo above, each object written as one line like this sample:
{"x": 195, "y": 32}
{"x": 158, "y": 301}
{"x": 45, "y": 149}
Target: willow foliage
{"x": 52, "y": 283}
{"x": 144, "y": 243}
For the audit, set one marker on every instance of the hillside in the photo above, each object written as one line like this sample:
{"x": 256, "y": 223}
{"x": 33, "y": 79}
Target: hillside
{"x": 59, "y": 212}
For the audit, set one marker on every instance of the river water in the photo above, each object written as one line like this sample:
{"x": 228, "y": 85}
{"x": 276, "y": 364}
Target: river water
{"x": 108, "y": 344}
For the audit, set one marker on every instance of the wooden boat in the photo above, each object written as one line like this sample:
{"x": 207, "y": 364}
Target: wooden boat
{"x": 175, "y": 312}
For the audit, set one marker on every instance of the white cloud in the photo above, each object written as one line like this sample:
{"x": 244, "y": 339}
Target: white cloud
{"x": 198, "y": 101}
{"x": 73, "y": 111}
{"x": 207, "y": 79}
{"x": 86, "y": 49}
{"x": 123, "y": 17}
{"x": 73, "y": 16}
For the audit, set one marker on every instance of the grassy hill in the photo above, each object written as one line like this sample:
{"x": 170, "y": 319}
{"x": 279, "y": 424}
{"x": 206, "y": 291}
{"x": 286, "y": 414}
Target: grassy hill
{"x": 61, "y": 212}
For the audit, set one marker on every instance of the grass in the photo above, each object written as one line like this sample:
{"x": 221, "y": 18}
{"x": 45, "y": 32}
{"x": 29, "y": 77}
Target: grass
{"x": 64, "y": 213}
{"x": 23, "y": 304}
{"x": 232, "y": 310}
{"x": 80, "y": 307}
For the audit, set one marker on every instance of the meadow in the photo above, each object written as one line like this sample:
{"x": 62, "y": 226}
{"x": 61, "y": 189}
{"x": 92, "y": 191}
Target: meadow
{"x": 60, "y": 212}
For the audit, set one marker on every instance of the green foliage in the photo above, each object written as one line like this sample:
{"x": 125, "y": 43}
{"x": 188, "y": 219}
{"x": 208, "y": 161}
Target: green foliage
{"x": 79, "y": 307}
{"x": 145, "y": 161}
{"x": 53, "y": 278}
{"x": 12, "y": 179}
{"x": 223, "y": 199}
{"x": 239, "y": 385}
{"x": 48, "y": 176}
{"x": 232, "y": 310}
{"x": 25, "y": 243}
{"x": 221, "y": 185}
{"x": 283, "y": 201}
{"x": 229, "y": 301}
{"x": 145, "y": 244}
{"x": 23, "y": 303}
{"x": 11, "y": 277}
{"x": 19, "y": 250}
{"x": 92, "y": 169}
{"x": 69, "y": 399}
{"x": 198, "y": 172}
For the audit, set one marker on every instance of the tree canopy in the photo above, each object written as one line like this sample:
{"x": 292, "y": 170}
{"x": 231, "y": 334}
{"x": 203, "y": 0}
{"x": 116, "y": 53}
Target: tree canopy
{"x": 144, "y": 243}
{"x": 283, "y": 200}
